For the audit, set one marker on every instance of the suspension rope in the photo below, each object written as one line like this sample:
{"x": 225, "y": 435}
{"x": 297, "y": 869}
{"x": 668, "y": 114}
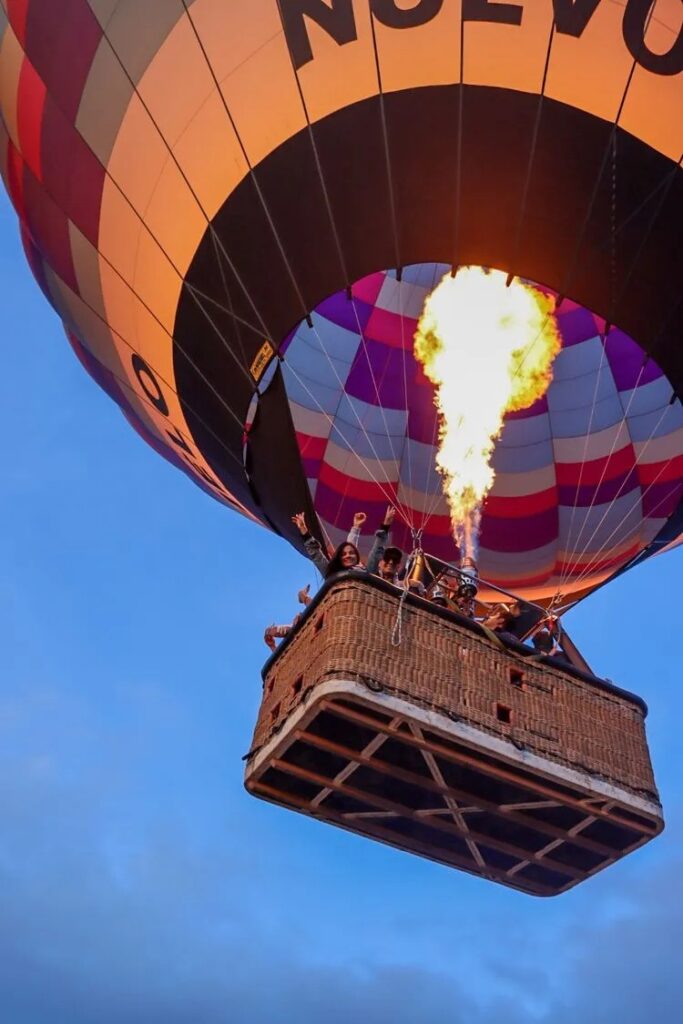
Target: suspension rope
{"x": 532, "y": 151}
{"x": 385, "y": 138}
{"x": 431, "y": 502}
{"x": 571, "y": 271}
{"x": 96, "y": 312}
{"x": 593, "y": 565}
{"x": 458, "y": 154}
{"x": 394, "y": 226}
{"x": 584, "y": 458}
{"x": 160, "y": 246}
{"x": 318, "y": 162}
{"x": 335, "y": 428}
{"x": 663, "y": 189}
{"x": 380, "y": 406}
{"x": 144, "y": 400}
{"x": 617, "y": 437}
{"x": 406, "y": 438}
{"x": 613, "y": 230}
{"x": 397, "y": 631}
{"x": 589, "y": 568}
{"x": 252, "y": 173}
{"x": 342, "y": 393}
{"x": 319, "y": 166}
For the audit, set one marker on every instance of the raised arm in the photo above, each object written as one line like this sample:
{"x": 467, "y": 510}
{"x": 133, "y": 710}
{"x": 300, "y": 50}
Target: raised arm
{"x": 313, "y": 548}
{"x": 381, "y": 538}
{"x": 354, "y": 533}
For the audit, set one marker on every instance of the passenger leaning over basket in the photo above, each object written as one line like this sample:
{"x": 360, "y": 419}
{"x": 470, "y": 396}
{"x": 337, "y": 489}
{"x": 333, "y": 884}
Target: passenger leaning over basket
{"x": 345, "y": 556}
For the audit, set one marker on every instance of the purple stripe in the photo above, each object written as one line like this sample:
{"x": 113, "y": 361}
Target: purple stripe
{"x": 661, "y": 500}
{"x": 590, "y": 494}
{"x": 539, "y": 407}
{"x": 422, "y": 414}
{"x": 311, "y": 468}
{"x": 385, "y": 378}
{"x": 626, "y": 360}
{"x": 523, "y": 534}
{"x": 344, "y": 312}
{"x": 577, "y": 325}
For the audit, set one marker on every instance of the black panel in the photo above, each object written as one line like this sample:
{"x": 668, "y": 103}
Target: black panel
{"x": 276, "y": 475}
{"x": 564, "y": 240}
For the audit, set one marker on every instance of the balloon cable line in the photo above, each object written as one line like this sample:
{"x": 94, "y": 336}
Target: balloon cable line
{"x": 589, "y": 431}
{"x": 395, "y": 500}
{"x": 385, "y": 139}
{"x": 252, "y": 173}
{"x": 390, "y": 436}
{"x": 458, "y": 153}
{"x": 608, "y": 151}
{"x": 663, "y": 189}
{"x": 193, "y": 292}
{"x": 406, "y": 438}
{"x": 131, "y": 346}
{"x": 231, "y": 309}
{"x": 187, "y": 182}
{"x": 125, "y": 382}
{"x": 394, "y": 224}
{"x": 590, "y": 567}
{"x": 48, "y": 192}
{"x": 338, "y": 245}
{"x": 622, "y": 426}
{"x": 318, "y": 162}
{"x": 335, "y": 428}
{"x": 532, "y": 152}
{"x": 430, "y": 504}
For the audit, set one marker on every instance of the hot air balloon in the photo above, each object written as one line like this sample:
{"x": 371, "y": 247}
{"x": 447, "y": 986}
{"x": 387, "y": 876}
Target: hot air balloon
{"x": 238, "y": 210}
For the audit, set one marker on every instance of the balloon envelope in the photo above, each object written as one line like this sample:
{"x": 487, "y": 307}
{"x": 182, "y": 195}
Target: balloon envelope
{"x": 196, "y": 179}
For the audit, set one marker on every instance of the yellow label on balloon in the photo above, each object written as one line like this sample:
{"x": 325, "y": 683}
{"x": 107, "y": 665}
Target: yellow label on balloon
{"x": 263, "y": 357}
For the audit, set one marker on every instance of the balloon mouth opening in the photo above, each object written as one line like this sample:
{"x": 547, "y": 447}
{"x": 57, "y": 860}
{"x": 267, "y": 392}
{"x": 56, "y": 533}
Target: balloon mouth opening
{"x": 576, "y": 494}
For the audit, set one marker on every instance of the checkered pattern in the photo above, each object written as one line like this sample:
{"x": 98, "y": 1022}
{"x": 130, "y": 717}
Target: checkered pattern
{"x": 585, "y": 478}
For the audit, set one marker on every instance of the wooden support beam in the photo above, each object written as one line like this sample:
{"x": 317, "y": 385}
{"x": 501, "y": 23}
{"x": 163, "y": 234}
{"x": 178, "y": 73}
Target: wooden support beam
{"x": 507, "y": 774}
{"x": 545, "y": 828}
{"x": 383, "y": 835}
{"x": 408, "y": 812}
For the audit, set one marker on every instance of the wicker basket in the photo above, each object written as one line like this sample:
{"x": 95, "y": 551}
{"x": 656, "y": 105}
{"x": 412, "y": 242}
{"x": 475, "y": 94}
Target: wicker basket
{"x": 383, "y": 715}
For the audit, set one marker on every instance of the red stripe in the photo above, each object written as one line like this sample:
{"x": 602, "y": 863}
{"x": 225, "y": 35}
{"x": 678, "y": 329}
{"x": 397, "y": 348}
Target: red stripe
{"x": 390, "y": 329}
{"x": 517, "y": 583}
{"x": 30, "y": 107}
{"x": 520, "y": 506}
{"x": 661, "y": 472}
{"x": 596, "y": 470}
{"x": 17, "y": 11}
{"x": 310, "y": 446}
{"x": 614, "y": 561}
{"x": 352, "y": 487}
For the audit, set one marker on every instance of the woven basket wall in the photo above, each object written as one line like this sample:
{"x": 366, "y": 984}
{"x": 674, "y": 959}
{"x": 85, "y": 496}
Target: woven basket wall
{"x": 444, "y": 666}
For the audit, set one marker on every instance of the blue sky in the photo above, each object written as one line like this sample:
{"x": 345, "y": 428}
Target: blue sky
{"x": 138, "y": 881}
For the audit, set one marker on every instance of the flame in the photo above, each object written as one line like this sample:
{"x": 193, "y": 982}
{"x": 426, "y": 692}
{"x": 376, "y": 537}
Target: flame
{"x": 489, "y": 350}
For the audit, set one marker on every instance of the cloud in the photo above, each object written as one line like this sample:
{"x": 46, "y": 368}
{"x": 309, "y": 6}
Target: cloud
{"x": 110, "y": 913}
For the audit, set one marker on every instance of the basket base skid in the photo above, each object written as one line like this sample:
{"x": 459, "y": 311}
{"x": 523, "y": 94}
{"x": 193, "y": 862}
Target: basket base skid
{"x": 378, "y": 765}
